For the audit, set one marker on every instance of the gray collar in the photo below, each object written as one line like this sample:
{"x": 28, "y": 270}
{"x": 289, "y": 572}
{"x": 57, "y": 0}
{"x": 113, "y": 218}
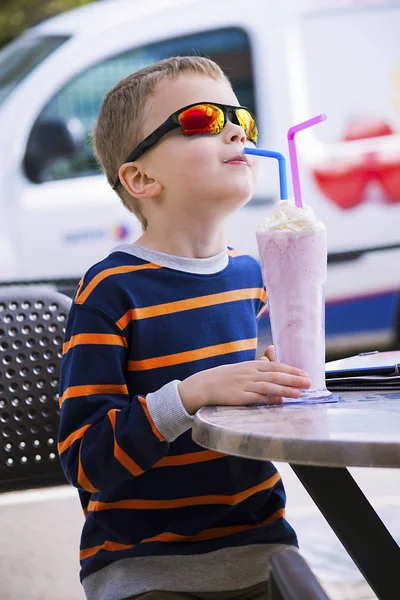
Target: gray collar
{"x": 199, "y": 266}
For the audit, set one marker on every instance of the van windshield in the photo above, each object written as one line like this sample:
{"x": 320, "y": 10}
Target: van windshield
{"x": 19, "y": 58}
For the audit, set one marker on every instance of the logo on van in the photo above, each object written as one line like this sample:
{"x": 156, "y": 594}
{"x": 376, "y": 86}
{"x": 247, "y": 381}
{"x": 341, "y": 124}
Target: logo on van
{"x": 118, "y": 232}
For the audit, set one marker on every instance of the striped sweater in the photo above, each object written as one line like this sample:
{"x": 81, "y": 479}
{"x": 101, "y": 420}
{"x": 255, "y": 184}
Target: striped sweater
{"x": 160, "y": 511}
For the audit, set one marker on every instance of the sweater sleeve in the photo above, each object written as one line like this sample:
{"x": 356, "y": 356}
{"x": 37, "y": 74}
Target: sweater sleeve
{"x": 106, "y": 434}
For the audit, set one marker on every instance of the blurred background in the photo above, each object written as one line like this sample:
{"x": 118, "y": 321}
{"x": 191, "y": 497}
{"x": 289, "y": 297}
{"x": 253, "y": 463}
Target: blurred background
{"x": 287, "y": 61}
{"x": 18, "y": 15}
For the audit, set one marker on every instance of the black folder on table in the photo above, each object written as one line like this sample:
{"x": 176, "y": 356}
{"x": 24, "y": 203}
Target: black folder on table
{"x": 369, "y": 370}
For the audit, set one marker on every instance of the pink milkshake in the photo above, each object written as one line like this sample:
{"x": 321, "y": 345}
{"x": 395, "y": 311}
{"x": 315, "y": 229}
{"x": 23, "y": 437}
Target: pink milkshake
{"x": 293, "y": 253}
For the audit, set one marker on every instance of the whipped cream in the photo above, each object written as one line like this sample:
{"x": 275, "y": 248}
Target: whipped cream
{"x": 288, "y": 217}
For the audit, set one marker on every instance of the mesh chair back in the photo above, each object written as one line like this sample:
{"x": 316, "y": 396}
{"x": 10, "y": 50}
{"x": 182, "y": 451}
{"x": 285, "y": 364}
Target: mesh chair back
{"x": 32, "y": 326}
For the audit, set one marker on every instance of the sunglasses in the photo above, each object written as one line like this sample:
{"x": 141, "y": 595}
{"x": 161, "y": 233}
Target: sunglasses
{"x": 195, "y": 119}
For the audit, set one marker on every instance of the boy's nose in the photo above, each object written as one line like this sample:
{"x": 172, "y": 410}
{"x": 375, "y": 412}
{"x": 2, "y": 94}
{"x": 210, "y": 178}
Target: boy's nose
{"x": 234, "y": 133}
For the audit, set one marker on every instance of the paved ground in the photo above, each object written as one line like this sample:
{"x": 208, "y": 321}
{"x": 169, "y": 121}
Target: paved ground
{"x": 40, "y": 536}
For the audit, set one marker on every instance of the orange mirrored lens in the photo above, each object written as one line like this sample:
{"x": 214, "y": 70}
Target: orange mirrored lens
{"x": 202, "y": 118}
{"x": 248, "y": 123}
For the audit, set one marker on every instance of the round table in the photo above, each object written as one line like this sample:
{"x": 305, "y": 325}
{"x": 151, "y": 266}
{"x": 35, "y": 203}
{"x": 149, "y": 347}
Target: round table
{"x": 361, "y": 429}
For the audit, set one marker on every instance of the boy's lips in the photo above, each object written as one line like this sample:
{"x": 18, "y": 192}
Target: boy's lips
{"x": 238, "y": 159}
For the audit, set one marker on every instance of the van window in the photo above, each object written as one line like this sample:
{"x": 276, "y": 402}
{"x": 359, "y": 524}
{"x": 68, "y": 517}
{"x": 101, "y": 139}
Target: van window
{"x": 18, "y": 59}
{"x": 82, "y": 97}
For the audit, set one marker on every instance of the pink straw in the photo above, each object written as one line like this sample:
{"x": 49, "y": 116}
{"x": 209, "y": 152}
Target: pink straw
{"x": 294, "y": 165}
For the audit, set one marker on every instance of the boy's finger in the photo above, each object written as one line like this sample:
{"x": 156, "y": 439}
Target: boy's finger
{"x": 285, "y": 392}
{"x": 256, "y": 398}
{"x": 272, "y": 399}
{"x": 264, "y": 365}
{"x": 293, "y": 381}
{"x": 270, "y": 353}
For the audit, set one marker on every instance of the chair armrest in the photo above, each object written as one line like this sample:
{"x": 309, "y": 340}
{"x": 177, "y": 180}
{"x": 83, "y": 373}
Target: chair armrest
{"x": 292, "y": 579}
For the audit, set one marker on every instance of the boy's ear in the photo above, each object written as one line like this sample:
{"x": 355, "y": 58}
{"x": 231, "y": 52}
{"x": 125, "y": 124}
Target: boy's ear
{"x": 137, "y": 182}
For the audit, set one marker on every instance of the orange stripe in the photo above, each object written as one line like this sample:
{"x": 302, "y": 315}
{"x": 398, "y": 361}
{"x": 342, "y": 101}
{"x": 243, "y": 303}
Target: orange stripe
{"x": 207, "y": 534}
{"x": 62, "y": 446}
{"x": 83, "y": 296}
{"x": 261, "y": 311}
{"x": 236, "y": 253}
{"x": 82, "y": 479}
{"x": 110, "y": 546}
{"x": 216, "y": 532}
{"x": 120, "y": 454}
{"x": 265, "y": 307}
{"x": 188, "y": 459}
{"x": 94, "y": 338}
{"x": 76, "y": 435}
{"x": 192, "y": 355}
{"x": 150, "y": 420}
{"x": 168, "y": 308}
{"x": 182, "y": 502}
{"x": 89, "y": 390}
{"x": 79, "y": 288}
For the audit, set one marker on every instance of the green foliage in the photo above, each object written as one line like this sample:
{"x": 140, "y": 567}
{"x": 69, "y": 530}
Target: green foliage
{"x": 18, "y": 15}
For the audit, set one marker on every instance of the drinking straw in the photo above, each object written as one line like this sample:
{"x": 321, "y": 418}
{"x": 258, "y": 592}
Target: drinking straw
{"x": 281, "y": 163}
{"x": 294, "y": 165}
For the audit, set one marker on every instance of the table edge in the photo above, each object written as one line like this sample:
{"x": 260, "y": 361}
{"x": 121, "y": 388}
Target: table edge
{"x": 333, "y": 453}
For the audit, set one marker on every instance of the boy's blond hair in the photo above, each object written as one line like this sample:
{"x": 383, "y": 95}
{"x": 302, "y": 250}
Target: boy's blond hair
{"x": 118, "y": 128}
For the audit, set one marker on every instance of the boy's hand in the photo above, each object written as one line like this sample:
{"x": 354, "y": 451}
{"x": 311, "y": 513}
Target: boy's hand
{"x": 269, "y": 354}
{"x": 242, "y": 384}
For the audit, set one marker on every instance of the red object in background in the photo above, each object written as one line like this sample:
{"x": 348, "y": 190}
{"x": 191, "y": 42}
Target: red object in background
{"x": 344, "y": 188}
{"x": 361, "y": 129}
{"x": 346, "y": 185}
{"x": 389, "y": 177}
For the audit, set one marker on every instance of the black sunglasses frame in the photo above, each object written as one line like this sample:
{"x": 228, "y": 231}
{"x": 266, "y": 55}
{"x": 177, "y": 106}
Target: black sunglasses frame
{"x": 173, "y": 123}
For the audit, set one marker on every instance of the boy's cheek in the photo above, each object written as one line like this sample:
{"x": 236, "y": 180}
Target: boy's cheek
{"x": 199, "y": 164}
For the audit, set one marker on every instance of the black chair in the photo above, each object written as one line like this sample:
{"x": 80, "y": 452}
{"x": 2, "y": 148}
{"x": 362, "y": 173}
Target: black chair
{"x": 292, "y": 579}
{"x": 32, "y": 326}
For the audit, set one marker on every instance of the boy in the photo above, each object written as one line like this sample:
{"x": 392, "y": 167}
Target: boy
{"x": 159, "y": 329}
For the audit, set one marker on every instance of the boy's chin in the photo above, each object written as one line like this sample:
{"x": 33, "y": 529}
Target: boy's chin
{"x": 244, "y": 200}
{"x": 229, "y": 200}
{"x": 238, "y": 200}
{"x": 240, "y": 192}
{"x": 232, "y": 205}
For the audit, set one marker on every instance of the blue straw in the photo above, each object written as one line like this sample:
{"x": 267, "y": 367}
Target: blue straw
{"x": 282, "y": 167}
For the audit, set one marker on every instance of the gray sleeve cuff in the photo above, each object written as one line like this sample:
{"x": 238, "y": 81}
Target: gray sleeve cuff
{"x": 167, "y": 411}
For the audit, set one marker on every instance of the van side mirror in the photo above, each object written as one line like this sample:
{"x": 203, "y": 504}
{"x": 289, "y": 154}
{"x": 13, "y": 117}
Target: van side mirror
{"x": 51, "y": 139}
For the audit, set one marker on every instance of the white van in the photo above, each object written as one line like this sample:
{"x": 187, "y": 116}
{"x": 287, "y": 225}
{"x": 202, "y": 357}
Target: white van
{"x": 288, "y": 61}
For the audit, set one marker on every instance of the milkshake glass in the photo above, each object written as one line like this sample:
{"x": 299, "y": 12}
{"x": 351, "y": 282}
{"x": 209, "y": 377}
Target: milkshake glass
{"x": 293, "y": 253}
